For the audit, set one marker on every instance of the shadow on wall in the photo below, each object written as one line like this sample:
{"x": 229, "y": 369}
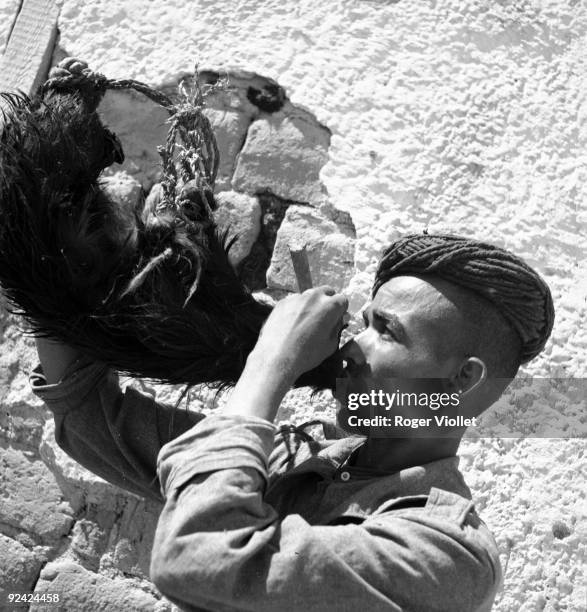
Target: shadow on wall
{"x": 268, "y": 187}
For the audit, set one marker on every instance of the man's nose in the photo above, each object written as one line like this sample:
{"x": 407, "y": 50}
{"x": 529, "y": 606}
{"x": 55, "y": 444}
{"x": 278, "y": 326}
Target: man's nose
{"x": 352, "y": 352}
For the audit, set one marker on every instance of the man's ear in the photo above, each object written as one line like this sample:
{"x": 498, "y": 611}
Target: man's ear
{"x": 471, "y": 373}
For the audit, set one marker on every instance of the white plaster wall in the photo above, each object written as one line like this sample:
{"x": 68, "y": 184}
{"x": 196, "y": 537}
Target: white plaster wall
{"x": 466, "y": 116}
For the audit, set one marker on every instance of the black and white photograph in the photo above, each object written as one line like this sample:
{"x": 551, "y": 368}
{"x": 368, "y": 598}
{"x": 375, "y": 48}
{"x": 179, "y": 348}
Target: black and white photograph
{"x": 292, "y": 306}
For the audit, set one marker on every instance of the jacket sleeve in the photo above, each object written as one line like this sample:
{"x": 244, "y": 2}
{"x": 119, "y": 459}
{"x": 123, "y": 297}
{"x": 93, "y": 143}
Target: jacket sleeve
{"x": 220, "y": 546}
{"x": 115, "y": 434}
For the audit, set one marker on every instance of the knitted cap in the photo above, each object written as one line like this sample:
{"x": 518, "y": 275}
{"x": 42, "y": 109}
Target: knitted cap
{"x": 517, "y": 291}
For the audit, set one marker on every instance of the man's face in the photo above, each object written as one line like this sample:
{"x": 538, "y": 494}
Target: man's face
{"x": 409, "y": 329}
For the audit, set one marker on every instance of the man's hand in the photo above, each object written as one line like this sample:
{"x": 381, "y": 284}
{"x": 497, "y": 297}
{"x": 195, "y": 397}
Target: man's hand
{"x": 299, "y": 334}
{"x": 55, "y": 358}
{"x": 302, "y": 330}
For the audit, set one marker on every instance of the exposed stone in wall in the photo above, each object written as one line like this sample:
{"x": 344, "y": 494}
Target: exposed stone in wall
{"x": 21, "y": 425}
{"x": 284, "y": 154}
{"x": 140, "y": 126}
{"x": 31, "y": 507}
{"x": 124, "y": 189}
{"x": 230, "y": 129}
{"x": 240, "y": 215}
{"x": 271, "y": 149}
{"x": 329, "y": 244}
{"x": 253, "y": 269}
{"x": 80, "y": 589}
{"x": 266, "y": 143}
{"x": 19, "y": 567}
{"x": 231, "y": 114}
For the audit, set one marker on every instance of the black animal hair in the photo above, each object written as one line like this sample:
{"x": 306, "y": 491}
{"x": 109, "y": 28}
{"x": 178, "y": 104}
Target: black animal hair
{"x": 149, "y": 291}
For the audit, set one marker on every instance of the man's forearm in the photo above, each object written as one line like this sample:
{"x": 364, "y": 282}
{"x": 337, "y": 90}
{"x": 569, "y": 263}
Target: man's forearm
{"x": 260, "y": 388}
{"x": 301, "y": 332}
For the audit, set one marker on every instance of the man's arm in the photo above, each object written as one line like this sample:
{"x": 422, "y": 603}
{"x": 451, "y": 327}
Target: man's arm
{"x": 117, "y": 435}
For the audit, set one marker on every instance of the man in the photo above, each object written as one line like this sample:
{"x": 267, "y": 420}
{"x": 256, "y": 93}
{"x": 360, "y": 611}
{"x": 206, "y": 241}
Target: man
{"x": 261, "y": 520}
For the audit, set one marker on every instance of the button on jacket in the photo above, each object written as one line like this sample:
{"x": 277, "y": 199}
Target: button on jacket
{"x": 263, "y": 518}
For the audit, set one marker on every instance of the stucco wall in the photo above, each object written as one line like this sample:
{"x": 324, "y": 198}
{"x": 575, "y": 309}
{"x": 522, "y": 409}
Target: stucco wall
{"x": 467, "y": 116}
